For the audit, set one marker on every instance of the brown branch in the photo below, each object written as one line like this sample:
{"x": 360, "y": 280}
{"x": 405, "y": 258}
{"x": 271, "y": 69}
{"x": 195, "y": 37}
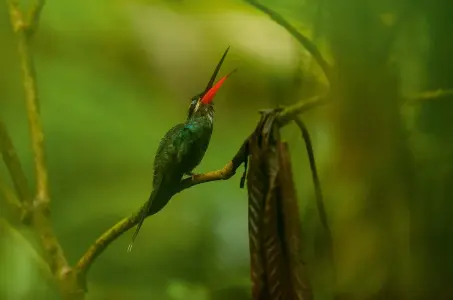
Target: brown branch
{"x": 124, "y": 225}
{"x": 303, "y": 40}
{"x": 85, "y": 262}
{"x": 224, "y": 173}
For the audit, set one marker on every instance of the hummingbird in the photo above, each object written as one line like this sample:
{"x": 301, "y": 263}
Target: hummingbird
{"x": 182, "y": 148}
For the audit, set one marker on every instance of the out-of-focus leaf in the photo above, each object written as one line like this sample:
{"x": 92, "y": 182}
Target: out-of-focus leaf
{"x": 388, "y": 19}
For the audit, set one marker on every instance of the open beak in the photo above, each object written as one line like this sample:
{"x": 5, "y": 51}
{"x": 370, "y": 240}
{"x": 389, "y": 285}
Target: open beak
{"x": 212, "y": 89}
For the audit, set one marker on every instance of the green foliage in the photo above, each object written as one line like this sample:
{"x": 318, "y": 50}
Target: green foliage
{"x": 109, "y": 91}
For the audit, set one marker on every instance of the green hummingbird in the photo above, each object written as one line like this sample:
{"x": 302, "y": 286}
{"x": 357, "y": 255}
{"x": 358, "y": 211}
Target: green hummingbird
{"x": 182, "y": 148}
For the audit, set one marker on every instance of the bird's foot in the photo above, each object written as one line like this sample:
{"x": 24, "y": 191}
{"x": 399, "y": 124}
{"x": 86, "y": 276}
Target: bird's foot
{"x": 192, "y": 175}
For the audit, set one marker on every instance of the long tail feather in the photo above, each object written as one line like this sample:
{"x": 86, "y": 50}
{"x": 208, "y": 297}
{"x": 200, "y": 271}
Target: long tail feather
{"x": 143, "y": 213}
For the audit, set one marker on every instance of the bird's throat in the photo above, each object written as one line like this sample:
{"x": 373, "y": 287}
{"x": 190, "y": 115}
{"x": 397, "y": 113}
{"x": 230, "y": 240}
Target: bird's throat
{"x": 206, "y": 114}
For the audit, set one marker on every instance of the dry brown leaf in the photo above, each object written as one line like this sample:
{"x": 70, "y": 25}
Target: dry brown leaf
{"x": 274, "y": 228}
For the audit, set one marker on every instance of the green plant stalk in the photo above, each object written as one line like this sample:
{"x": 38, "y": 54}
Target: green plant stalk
{"x": 39, "y": 210}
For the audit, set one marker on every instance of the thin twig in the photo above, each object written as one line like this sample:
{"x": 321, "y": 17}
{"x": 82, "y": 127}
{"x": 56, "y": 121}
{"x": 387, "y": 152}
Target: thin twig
{"x": 428, "y": 95}
{"x": 288, "y": 113}
{"x": 12, "y": 202}
{"x": 23, "y": 242}
{"x": 314, "y": 173}
{"x": 14, "y": 166}
{"x": 318, "y": 194}
{"x": 22, "y": 27}
{"x": 303, "y": 40}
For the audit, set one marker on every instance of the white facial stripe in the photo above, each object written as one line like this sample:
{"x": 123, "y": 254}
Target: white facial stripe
{"x": 196, "y": 107}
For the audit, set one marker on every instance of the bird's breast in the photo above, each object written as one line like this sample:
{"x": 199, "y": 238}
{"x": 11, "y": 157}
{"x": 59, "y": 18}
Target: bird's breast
{"x": 198, "y": 145}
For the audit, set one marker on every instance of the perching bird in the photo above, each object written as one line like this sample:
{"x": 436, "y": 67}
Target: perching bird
{"x": 182, "y": 148}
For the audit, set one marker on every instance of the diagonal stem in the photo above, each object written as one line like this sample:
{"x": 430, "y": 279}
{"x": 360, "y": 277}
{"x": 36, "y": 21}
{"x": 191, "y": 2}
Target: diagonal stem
{"x": 11, "y": 201}
{"x": 32, "y": 105}
{"x": 13, "y": 165}
{"x": 302, "y": 39}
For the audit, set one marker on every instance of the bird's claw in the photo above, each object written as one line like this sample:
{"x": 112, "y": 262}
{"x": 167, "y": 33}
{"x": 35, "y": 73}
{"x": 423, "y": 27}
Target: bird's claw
{"x": 192, "y": 175}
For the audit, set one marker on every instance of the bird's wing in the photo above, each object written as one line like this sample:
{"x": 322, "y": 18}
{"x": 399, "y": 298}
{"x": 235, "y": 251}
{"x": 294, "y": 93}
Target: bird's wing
{"x": 165, "y": 156}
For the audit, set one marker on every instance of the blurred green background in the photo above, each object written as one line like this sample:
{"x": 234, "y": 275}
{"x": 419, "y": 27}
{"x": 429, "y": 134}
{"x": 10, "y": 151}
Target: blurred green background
{"x": 113, "y": 76}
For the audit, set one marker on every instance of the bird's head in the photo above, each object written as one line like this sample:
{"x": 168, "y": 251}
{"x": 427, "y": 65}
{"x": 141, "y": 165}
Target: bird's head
{"x": 203, "y": 102}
